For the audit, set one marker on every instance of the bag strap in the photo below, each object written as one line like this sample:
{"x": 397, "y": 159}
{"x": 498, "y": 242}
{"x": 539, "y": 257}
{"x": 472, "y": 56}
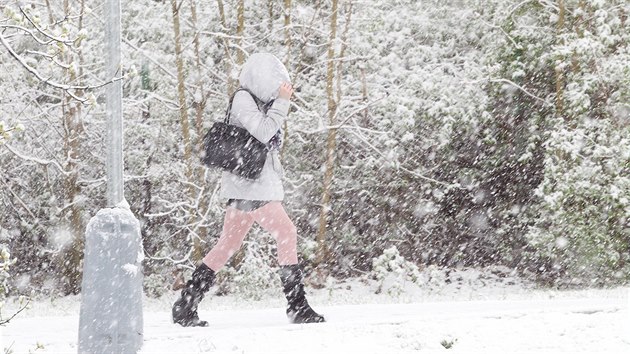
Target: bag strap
{"x": 229, "y": 109}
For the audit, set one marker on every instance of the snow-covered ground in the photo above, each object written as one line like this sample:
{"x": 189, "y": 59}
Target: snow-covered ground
{"x": 473, "y": 312}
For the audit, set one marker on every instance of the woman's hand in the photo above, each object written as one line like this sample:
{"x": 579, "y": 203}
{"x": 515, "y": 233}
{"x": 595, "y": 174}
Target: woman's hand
{"x": 286, "y": 91}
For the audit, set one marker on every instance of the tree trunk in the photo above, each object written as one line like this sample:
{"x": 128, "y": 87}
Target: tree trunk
{"x": 323, "y": 251}
{"x": 199, "y": 110}
{"x": 304, "y": 41}
{"x": 558, "y": 68}
{"x": 238, "y": 258}
{"x": 51, "y": 18}
{"x": 342, "y": 53}
{"x": 240, "y": 29}
{"x": 287, "y": 32}
{"x": 364, "y": 94}
{"x": 287, "y": 63}
{"x": 226, "y": 46}
{"x": 270, "y": 9}
{"x": 181, "y": 90}
{"x": 71, "y": 256}
{"x": 183, "y": 117}
{"x": 199, "y": 105}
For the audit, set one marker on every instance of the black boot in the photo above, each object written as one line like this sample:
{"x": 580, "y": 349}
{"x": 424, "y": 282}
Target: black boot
{"x": 298, "y": 309}
{"x": 185, "y": 308}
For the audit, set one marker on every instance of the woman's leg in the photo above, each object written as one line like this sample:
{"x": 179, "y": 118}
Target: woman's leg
{"x": 235, "y": 226}
{"x": 273, "y": 218}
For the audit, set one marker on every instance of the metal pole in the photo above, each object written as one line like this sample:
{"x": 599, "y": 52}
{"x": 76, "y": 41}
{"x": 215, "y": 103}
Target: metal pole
{"x": 111, "y": 319}
{"x": 115, "y": 183}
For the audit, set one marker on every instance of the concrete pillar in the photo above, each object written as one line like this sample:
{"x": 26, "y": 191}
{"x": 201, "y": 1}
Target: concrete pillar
{"x": 111, "y": 320}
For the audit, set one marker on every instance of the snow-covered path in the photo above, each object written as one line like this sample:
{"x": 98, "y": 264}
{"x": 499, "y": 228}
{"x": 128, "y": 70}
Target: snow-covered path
{"x": 495, "y": 326}
{"x": 590, "y": 323}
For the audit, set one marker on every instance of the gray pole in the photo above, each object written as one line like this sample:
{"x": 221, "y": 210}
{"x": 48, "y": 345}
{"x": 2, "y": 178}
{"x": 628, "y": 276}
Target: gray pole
{"x": 111, "y": 319}
{"x": 115, "y": 183}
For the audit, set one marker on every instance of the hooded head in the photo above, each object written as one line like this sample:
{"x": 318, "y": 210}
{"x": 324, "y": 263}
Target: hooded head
{"x": 262, "y": 74}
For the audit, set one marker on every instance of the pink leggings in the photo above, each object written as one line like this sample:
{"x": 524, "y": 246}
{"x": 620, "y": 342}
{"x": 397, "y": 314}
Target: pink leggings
{"x": 237, "y": 223}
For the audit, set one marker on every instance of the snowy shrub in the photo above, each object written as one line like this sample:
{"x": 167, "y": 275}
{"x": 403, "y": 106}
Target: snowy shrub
{"x": 6, "y": 131}
{"x": 435, "y": 277}
{"x": 448, "y": 342}
{"x": 4, "y": 134}
{"x": 392, "y": 270}
{"x": 255, "y": 274}
{"x": 155, "y": 285}
{"x": 5, "y": 264}
{"x": 400, "y": 153}
{"x": 568, "y": 137}
{"x": 585, "y": 203}
{"x": 308, "y": 249}
{"x": 549, "y": 173}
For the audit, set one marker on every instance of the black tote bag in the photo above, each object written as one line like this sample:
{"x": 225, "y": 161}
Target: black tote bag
{"x": 234, "y": 149}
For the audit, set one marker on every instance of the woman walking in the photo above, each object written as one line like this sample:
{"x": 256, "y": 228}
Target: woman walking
{"x": 260, "y": 106}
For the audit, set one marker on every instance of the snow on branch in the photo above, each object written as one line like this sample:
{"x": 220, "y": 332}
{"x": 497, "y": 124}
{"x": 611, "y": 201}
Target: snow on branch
{"x": 223, "y": 35}
{"x": 150, "y": 57}
{"x": 404, "y": 169}
{"x": 510, "y": 82}
{"x": 22, "y": 308}
{"x": 36, "y": 160}
{"x": 17, "y": 197}
{"x": 185, "y": 259}
{"x": 40, "y": 77}
{"x": 32, "y": 35}
{"x": 516, "y": 45}
{"x": 547, "y": 103}
{"x": 353, "y": 113}
{"x": 44, "y": 33}
{"x": 342, "y": 125}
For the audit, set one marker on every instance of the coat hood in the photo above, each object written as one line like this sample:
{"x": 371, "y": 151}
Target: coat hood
{"x": 262, "y": 74}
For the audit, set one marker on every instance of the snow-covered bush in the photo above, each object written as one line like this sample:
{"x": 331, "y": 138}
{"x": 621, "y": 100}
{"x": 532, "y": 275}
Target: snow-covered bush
{"x": 6, "y": 131}
{"x": 155, "y": 285}
{"x": 392, "y": 271}
{"x": 553, "y": 156}
{"x": 583, "y": 224}
{"x": 255, "y": 273}
{"x": 4, "y": 134}
{"x": 307, "y": 248}
{"x": 5, "y": 264}
{"x": 398, "y": 152}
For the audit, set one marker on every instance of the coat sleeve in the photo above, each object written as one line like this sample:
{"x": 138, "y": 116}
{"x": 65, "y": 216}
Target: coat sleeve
{"x": 262, "y": 126}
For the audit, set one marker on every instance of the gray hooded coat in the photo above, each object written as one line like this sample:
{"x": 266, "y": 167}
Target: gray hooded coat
{"x": 262, "y": 74}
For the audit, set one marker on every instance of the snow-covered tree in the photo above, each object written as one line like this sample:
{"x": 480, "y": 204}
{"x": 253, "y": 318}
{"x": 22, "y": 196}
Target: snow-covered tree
{"x": 559, "y": 131}
{"x": 582, "y": 225}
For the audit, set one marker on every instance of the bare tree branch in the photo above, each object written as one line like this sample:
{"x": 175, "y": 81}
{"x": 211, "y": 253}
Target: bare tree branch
{"x": 522, "y": 89}
{"x": 40, "y": 77}
{"x": 29, "y": 32}
{"x": 402, "y": 168}
{"x": 510, "y": 82}
{"x": 344, "y": 121}
{"x": 17, "y": 197}
{"x": 36, "y": 160}
{"x": 3, "y": 322}
{"x": 44, "y": 33}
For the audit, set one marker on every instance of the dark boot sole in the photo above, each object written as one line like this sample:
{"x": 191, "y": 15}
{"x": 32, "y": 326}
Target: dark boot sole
{"x": 192, "y": 323}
